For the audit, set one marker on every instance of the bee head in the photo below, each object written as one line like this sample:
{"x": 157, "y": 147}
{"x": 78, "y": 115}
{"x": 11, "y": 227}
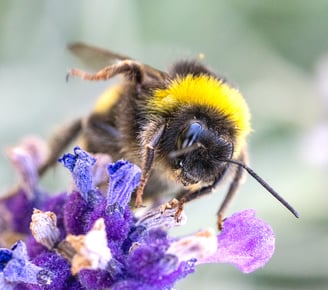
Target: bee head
{"x": 199, "y": 152}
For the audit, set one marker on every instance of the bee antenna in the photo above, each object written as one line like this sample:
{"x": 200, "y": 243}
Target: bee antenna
{"x": 261, "y": 181}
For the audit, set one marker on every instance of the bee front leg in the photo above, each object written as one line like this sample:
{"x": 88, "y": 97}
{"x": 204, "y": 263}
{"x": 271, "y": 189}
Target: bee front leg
{"x": 187, "y": 196}
{"x": 147, "y": 164}
{"x": 229, "y": 196}
{"x": 191, "y": 195}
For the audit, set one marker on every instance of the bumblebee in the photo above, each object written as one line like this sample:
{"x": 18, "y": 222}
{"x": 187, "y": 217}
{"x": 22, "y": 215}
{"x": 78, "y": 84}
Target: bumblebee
{"x": 185, "y": 128}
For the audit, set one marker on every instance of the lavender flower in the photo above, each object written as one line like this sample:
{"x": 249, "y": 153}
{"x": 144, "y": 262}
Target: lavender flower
{"x": 44, "y": 228}
{"x": 92, "y": 240}
{"x": 15, "y": 268}
{"x": 92, "y": 251}
{"x": 80, "y": 164}
{"x": 245, "y": 241}
{"x": 17, "y": 205}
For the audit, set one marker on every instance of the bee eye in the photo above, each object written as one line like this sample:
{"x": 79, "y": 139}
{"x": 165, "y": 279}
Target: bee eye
{"x": 189, "y": 135}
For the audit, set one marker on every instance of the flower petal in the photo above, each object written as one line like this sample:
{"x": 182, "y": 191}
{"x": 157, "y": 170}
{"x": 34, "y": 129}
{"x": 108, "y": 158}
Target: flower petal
{"x": 80, "y": 164}
{"x": 199, "y": 245}
{"x": 44, "y": 228}
{"x": 124, "y": 178}
{"x": 163, "y": 216}
{"x": 149, "y": 261}
{"x": 75, "y": 211}
{"x": 245, "y": 241}
{"x": 57, "y": 268}
{"x": 19, "y": 268}
{"x": 95, "y": 279}
{"x": 20, "y": 208}
{"x": 91, "y": 249}
{"x": 5, "y": 257}
{"x": 27, "y": 157}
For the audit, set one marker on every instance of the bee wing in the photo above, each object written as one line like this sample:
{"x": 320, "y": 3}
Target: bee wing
{"x": 97, "y": 58}
{"x": 94, "y": 57}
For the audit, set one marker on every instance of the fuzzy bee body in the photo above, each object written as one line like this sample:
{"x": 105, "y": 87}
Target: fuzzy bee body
{"x": 125, "y": 126}
{"x": 186, "y": 128}
{"x": 107, "y": 131}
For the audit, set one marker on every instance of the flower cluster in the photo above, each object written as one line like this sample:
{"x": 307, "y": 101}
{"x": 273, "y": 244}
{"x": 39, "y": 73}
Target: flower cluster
{"x": 90, "y": 239}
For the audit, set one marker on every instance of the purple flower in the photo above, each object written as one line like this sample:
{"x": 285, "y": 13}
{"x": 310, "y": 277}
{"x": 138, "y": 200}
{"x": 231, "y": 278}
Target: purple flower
{"x": 16, "y": 268}
{"x": 124, "y": 178}
{"x": 20, "y": 209}
{"x": 57, "y": 269}
{"x": 5, "y": 257}
{"x": 80, "y": 164}
{"x": 26, "y": 158}
{"x": 76, "y": 211}
{"x": 92, "y": 240}
{"x": 17, "y": 205}
{"x": 131, "y": 250}
{"x": 150, "y": 262}
{"x": 245, "y": 241}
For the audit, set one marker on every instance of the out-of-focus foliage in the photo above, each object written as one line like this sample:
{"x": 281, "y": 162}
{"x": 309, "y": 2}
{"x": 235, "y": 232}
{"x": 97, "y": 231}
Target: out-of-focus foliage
{"x": 269, "y": 49}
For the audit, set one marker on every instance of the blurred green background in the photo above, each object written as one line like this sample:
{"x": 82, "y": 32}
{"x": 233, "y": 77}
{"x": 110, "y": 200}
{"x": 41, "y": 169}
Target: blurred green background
{"x": 274, "y": 51}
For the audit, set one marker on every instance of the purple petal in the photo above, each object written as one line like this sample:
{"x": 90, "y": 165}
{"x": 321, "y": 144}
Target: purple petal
{"x": 245, "y": 241}
{"x": 80, "y": 164}
{"x": 5, "y": 257}
{"x": 57, "y": 268}
{"x": 124, "y": 178}
{"x": 27, "y": 158}
{"x": 150, "y": 263}
{"x": 5, "y": 285}
{"x": 19, "y": 251}
{"x": 158, "y": 269}
{"x": 34, "y": 248}
{"x": 80, "y": 214}
{"x": 158, "y": 218}
{"x": 95, "y": 279}
{"x": 21, "y": 208}
{"x": 75, "y": 211}
{"x": 18, "y": 271}
{"x": 19, "y": 268}
{"x": 118, "y": 224}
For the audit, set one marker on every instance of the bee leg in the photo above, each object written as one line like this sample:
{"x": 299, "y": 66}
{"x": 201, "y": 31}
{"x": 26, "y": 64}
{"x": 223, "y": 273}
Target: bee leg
{"x": 187, "y": 196}
{"x": 58, "y": 142}
{"x": 130, "y": 68}
{"x": 229, "y": 196}
{"x": 173, "y": 204}
{"x": 191, "y": 195}
{"x": 147, "y": 164}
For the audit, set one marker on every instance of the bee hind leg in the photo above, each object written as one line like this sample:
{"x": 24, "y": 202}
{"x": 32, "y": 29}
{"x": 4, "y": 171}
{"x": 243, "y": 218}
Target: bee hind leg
{"x": 129, "y": 68}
